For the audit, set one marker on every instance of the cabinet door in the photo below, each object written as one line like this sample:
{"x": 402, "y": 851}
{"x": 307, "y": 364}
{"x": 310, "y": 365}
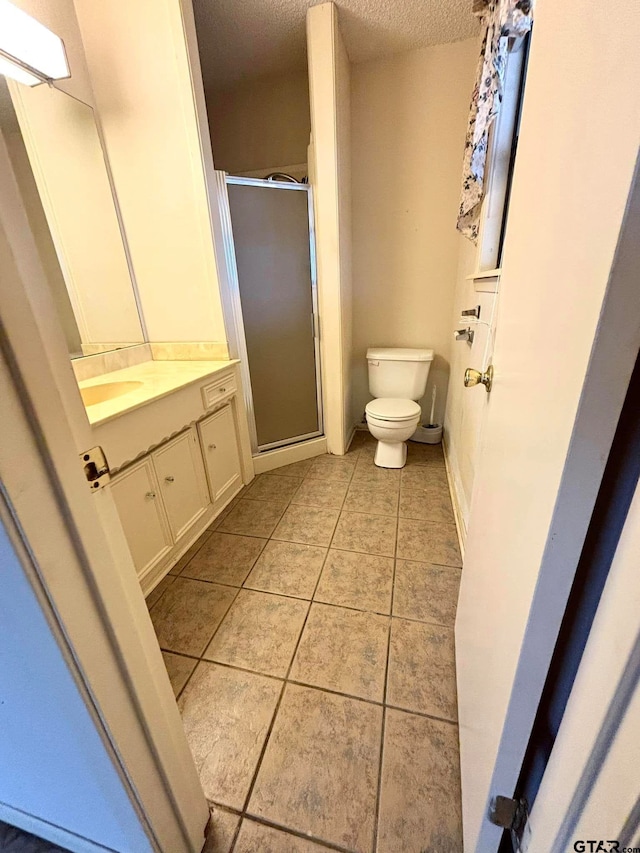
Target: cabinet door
{"x": 139, "y": 506}
{"x": 221, "y": 453}
{"x": 182, "y": 481}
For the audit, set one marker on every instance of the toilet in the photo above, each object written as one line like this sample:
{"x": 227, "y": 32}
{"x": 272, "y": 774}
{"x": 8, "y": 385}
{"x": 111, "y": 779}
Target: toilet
{"x": 397, "y": 379}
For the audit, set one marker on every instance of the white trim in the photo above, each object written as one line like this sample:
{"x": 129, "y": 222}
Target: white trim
{"x": 460, "y": 509}
{"x": 230, "y": 286}
{"x": 271, "y": 459}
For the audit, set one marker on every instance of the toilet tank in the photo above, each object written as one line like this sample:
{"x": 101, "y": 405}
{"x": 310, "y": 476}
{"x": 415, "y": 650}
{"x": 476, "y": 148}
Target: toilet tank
{"x": 400, "y": 373}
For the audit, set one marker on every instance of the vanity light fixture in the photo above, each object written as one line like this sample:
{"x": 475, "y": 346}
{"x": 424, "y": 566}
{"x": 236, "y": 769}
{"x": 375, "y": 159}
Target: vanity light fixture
{"x": 29, "y": 52}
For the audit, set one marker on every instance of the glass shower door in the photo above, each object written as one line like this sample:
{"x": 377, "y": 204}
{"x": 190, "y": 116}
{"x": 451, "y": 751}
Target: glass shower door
{"x": 273, "y": 242}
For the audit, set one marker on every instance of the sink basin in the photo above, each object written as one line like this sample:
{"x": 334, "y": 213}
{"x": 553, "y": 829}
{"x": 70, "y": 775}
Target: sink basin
{"x": 108, "y": 391}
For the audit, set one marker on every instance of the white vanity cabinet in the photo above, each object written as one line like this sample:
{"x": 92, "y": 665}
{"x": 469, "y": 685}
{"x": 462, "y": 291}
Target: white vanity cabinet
{"x": 136, "y": 492}
{"x": 160, "y": 499}
{"x": 197, "y": 460}
{"x": 220, "y": 448}
{"x": 182, "y": 481}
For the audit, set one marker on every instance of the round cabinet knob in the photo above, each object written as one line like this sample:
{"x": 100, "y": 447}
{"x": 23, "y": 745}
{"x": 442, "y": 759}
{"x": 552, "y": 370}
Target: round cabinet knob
{"x": 475, "y": 377}
{"x": 223, "y": 390}
{"x": 169, "y": 479}
{"x": 150, "y": 495}
{"x": 212, "y": 447}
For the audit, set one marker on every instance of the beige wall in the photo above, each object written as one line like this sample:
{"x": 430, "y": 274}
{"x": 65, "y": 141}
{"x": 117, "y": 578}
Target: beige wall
{"x": 409, "y": 117}
{"x": 139, "y": 68}
{"x": 330, "y": 87}
{"x": 261, "y": 124}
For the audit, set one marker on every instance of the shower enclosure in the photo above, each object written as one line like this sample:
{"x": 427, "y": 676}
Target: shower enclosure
{"x": 271, "y": 259}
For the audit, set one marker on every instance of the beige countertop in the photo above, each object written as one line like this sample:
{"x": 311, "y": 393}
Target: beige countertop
{"x": 153, "y": 379}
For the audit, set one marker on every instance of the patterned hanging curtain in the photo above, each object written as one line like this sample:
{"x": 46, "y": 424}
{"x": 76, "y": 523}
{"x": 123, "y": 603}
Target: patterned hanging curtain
{"x": 501, "y": 20}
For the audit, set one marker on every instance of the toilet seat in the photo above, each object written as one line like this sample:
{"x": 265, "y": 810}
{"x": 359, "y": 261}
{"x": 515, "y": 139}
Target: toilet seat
{"x": 393, "y": 409}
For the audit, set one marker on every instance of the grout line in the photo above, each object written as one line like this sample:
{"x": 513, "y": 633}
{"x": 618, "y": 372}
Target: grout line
{"x": 286, "y": 680}
{"x": 384, "y": 694}
{"x": 328, "y": 845}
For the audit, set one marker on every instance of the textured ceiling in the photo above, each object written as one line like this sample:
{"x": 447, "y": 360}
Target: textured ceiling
{"x": 242, "y": 39}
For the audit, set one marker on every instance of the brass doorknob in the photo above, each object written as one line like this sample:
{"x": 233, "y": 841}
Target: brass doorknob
{"x": 474, "y": 377}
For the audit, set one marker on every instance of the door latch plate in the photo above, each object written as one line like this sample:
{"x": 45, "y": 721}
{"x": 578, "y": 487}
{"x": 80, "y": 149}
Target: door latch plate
{"x": 96, "y": 468}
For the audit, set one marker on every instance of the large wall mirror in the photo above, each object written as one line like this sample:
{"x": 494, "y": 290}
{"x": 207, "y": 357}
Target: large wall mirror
{"x": 63, "y": 177}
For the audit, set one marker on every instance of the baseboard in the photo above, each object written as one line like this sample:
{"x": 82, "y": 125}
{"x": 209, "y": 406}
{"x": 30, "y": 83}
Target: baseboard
{"x": 460, "y": 512}
{"x": 270, "y": 459}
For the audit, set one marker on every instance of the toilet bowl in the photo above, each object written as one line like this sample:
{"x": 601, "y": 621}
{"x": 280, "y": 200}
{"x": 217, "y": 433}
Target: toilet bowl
{"x": 397, "y": 379}
{"x": 392, "y": 422}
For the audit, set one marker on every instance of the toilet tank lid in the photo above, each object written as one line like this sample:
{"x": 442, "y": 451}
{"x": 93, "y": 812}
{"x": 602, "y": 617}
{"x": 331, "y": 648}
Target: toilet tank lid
{"x": 395, "y": 354}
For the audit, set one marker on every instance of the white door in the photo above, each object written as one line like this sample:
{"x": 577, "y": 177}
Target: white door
{"x": 222, "y": 456}
{"x": 563, "y": 356}
{"x": 77, "y": 561}
{"x": 182, "y": 482}
{"x": 137, "y": 495}
{"x": 591, "y": 784}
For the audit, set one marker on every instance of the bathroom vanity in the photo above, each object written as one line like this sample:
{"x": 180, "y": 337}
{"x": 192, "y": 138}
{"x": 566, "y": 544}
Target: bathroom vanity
{"x": 172, "y": 432}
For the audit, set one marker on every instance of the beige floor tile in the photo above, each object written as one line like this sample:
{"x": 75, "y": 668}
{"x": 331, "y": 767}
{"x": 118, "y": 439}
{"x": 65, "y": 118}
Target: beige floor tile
{"x": 370, "y": 534}
{"x": 323, "y": 493}
{"x": 221, "y": 831}
{"x": 428, "y": 505}
{"x": 259, "y": 632}
{"x": 258, "y": 838}
{"x": 371, "y": 498}
{"x": 191, "y": 552}
{"x": 277, "y": 489}
{"x": 252, "y": 518}
{"x": 422, "y": 671}
{"x": 367, "y": 473}
{"x": 179, "y": 669}
{"x": 319, "y": 774}
{"x": 287, "y": 568}
{"x": 295, "y": 469}
{"x": 308, "y": 525}
{"x": 362, "y": 581}
{"x": 188, "y": 613}
{"x": 427, "y": 542}
{"x": 420, "y": 790}
{"x": 368, "y": 449}
{"x": 225, "y": 512}
{"x": 425, "y": 592}
{"x": 343, "y": 650}
{"x": 159, "y": 590}
{"x": 424, "y": 454}
{"x": 225, "y": 558}
{"x": 226, "y": 714}
{"x": 420, "y": 477}
{"x": 331, "y": 468}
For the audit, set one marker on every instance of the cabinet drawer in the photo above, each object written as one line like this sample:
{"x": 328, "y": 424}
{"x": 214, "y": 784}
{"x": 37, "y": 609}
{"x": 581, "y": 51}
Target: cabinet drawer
{"x": 219, "y": 439}
{"x": 218, "y": 390}
{"x": 137, "y": 497}
{"x": 182, "y": 481}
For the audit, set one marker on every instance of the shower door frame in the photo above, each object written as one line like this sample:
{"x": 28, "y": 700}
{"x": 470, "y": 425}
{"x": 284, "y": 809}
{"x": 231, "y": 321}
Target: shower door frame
{"x": 236, "y": 305}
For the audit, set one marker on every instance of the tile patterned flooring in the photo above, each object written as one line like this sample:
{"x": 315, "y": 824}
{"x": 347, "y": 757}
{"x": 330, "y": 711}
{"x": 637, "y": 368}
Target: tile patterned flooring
{"x": 308, "y": 636}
